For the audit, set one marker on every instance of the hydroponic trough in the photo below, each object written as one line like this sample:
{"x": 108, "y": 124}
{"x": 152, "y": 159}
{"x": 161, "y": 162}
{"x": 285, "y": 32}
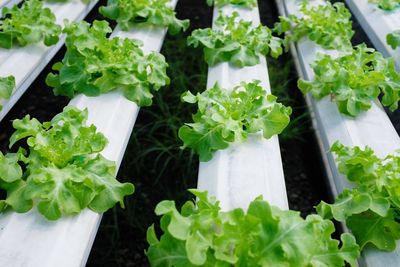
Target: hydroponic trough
{"x": 332, "y": 126}
{"x": 377, "y": 23}
{"x": 240, "y": 173}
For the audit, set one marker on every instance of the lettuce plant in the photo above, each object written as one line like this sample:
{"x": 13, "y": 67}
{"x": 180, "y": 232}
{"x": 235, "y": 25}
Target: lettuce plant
{"x": 154, "y": 12}
{"x": 386, "y": 4}
{"x": 7, "y": 85}
{"x": 393, "y": 39}
{"x": 236, "y": 41}
{"x": 94, "y": 64}
{"x": 241, "y": 3}
{"x": 65, "y": 1}
{"x": 225, "y": 117}
{"x": 62, "y": 171}
{"x": 354, "y": 80}
{"x": 28, "y": 24}
{"x": 203, "y": 235}
{"x": 328, "y": 25}
{"x": 371, "y": 208}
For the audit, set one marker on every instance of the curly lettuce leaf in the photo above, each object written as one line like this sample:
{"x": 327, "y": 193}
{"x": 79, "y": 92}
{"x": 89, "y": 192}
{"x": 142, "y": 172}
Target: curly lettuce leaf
{"x": 154, "y": 12}
{"x": 236, "y": 41}
{"x": 94, "y": 65}
{"x": 62, "y": 172}
{"x": 10, "y": 171}
{"x": 328, "y": 25}
{"x": 242, "y": 3}
{"x": 224, "y": 117}
{"x": 370, "y": 209}
{"x": 66, "y": 1}
{"x": 7, "y": 85}
{"x": 29, "y": 24}
{"x": 393, "y": 39}
{"x": 202, "y": 235}
{"x": 387, "y": 5}
{"x": 354, "y": 80}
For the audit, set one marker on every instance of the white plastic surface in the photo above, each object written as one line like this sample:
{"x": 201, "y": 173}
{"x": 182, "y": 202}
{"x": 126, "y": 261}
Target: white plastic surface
{"x": 239, "y": 174}
{"x": 377, "y": 23}
{"x": 26, "y": 63}
{"x": 29, "y": 240}
{"x": 372, "y": 128}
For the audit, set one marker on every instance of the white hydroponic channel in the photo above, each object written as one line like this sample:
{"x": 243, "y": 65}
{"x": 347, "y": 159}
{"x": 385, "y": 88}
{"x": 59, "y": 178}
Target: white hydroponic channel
{"x": 240, "y": 173}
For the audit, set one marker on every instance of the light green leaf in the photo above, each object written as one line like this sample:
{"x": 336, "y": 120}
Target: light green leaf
{"x": 328, "y": 25}
{"x": 370, "y": 209}
{"x": 29, "y": 24}
{"x": 153, "y": 12}
{"x": 354, "y": 80}
{"x": 223, "y": 117}
{"x": 264, "y": 236}
{"x": 393, "y": 39}
{"x": 62, "y": 172}
{"x": 242, "y": 3}
{"x": 7, "y": 85}
{"x": 236, "y": 41}
{"x": 381, "y": 232}
{"x": 387, "y": 5}
{"x": 95, "y": 64}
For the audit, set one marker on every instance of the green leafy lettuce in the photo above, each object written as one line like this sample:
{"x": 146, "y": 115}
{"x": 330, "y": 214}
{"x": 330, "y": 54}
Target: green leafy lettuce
{"x": 393, "y": 39}
{"x": 7, "y": 85}
{"x": 371, "y": 208}
{"x": 202, "y": 235}
{"x": 94, "y": 64}
{"x": 236, "y": 41}
{"x": 224, "y": 117}
{"x": 328, "y": 25}
{"x": 386, "y": 4}
{"x": 28, "y": 24}
{"x": 354, "y": 80}
{"x": 154, "y": 12}
{"x": 242, "y": 3}
{"x": 62, "y": 172}
{"x": 66, "y": 1}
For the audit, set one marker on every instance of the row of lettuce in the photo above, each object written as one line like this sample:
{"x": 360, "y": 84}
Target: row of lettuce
{"x": 61, "y": 171}
{"x": 393, "y": 39}
{"x": 200, "y": 234}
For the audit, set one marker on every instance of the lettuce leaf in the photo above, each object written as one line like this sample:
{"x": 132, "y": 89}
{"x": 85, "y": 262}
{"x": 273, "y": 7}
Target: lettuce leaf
{"x": 94, "y": 65}
{"x": 354, "y": 80}
{"x": 7, "y": 85}
{"x": 387, "y": 5}
{"x": 236, "y": 41}
{"x": 224, "y": 117}
{"x": 63, "y": 171}
{"x": 328, "y": 25}
{"x": 371, "y": 208}
{"x": 28, "y": 24}
{"x": 154, "y": 12}
{"x": 393, "y": 39}
{"x": 202, "y": 235}
{"x": 242, "y": 3}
